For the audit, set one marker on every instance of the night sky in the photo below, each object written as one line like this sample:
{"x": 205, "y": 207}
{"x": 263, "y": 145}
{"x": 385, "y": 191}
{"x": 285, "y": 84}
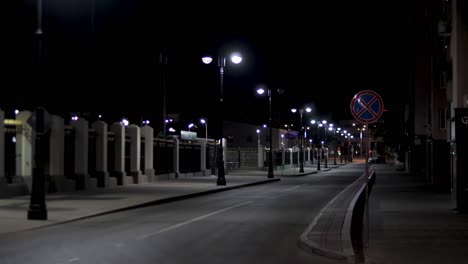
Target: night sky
{"x": 321, "y": 53}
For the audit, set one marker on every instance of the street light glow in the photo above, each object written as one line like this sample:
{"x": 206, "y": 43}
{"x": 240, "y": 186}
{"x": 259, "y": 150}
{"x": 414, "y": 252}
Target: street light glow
{"x": 294, "y": 110}
{"x": 203, "y": 121}
{"x": 308, "y": 109}
{"x": 258, "y": 131}
{"x": 16, "y": 111}
{"x": 207, "y": 59}
{"x": 236, "y": 58}
{"x": 264, "y": 125}
{"x": 260, "y": 91}
{"x": 190, "y": 125}
{"x": 125, "y": 122}
{"x": 324, "y": 122}
{"x": 313, "y": 122}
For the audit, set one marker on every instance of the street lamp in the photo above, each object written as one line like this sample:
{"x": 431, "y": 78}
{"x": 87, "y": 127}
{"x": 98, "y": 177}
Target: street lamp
{"x": 332, "y": 129}
{"x": 324, "y": 122}
{"x": 261, "y": 91}
{"x": 236, "y": 59}
{"x": 205, "y": 122}
{"x": 301, "y": 154}
{"x": 258, "y": 138}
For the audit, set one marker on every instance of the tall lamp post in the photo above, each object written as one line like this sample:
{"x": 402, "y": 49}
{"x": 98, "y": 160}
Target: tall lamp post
{"x": 205, "y": 122}
{"x": 236, "y": 59}
{"x": 331, "y": 128}
{"x": 301, "y": 154}
{"x": 270, "y": 124}
{"x": 313, "y": 122}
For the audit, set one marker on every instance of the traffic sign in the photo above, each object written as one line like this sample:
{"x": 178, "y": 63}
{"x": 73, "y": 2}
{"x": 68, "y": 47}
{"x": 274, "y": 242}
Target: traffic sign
{"x": 367, "y": 106}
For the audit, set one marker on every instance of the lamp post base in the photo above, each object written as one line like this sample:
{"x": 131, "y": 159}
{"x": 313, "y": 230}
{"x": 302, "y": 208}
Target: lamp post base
{"x": 221, "y": 181}
{"x": 221, "y": 176}
{"x": 37, "y": 212}
{"x": 270, "y": 172}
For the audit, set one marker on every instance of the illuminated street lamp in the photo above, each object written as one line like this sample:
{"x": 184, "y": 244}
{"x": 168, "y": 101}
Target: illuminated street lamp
{"x": 261, "y": 91}
{"x": 258, "y": 137}
{"x": 236, "y": 59}
{"x": 205, "y": 122}
{"x": 301, "y": 154}
{"x": 190, "y": 126}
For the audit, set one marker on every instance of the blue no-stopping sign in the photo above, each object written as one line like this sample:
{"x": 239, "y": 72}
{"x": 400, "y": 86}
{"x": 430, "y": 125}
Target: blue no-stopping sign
{"x": 367, "y": 106}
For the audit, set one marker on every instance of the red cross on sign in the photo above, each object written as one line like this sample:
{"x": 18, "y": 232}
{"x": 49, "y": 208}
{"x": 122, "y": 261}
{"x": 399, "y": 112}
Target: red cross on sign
{"x": 367, "y": 106}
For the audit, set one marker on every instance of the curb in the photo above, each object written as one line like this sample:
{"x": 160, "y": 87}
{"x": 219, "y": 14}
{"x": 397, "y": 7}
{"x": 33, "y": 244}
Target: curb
{"x": 304, "y": 243}
{"x": 151, "y": 203}
{"x": 299, "y": 174}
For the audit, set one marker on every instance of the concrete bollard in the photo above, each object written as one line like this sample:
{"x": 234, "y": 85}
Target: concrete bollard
{"x": 147, "y": 133}
{"x": 57, "y": 157}
{"x": 102, "y": 172}
{"x": 135, "y": 154}
{"x": 82, "y": 179}
{"x": 24, "y": 149}
{"x": 119, "y": 155}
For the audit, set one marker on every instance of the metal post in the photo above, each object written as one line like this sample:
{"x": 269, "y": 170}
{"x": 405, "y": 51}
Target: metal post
{"x": 301, "y": 154}
{"x": 37, "y": 205}
{"x": 221, "y": 177}
{"x": 318, "y": 158}
{"x": 270, "y": 162}
{"x": 366, "y": 224}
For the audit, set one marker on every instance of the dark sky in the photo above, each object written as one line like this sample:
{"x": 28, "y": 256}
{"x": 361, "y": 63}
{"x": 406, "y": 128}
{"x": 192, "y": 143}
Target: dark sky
{"x": 320, "y": 53}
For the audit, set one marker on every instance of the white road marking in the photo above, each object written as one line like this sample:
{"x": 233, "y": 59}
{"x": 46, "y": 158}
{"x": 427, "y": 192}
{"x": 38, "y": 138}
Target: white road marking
{"x": 73, "y": 260}
{"x": 190, "y": 221}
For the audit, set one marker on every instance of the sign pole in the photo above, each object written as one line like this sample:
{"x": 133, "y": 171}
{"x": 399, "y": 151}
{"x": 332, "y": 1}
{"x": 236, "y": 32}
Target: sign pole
{"x": 366, "y": 225}
{"x": 366, "y": 107}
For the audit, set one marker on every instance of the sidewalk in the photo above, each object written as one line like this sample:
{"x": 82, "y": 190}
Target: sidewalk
{"x": 409, "y": 223}
{"x": 66, "y": 207}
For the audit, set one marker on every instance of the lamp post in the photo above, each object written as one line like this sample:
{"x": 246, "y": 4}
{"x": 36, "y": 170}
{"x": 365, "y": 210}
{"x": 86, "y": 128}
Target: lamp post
{"x": 324, "y": 122}
{"x": 205, "y": 122}
{"x": 318, "y": 140}
{"x": 236, "y": 59}
{"x": 190, "y": 126}
{"x": 270, "y": 124}
{"x": 332, "y": 129}
{"x": 258, "y": 138}
{"x": 301, "y": 154}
